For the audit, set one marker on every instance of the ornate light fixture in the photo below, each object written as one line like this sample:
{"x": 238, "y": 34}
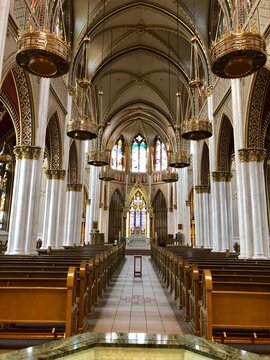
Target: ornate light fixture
{"x": 81, "y": 126}
{"x": 4, "y": 156}
{"x": 97, "y": 156}
{"x": 181, "y": 157}
{"x": 169, "y": 177}
{"x": 196, "y": 128}
{"x": 107, "y": 174}
{"x": 41, "y": 48}
{"x": 238, "y": 52}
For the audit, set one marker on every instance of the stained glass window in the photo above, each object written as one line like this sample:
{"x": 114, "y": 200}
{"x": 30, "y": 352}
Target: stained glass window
{"x": 118, "y": 154}
{"x": 138, "y": 214}
{"x": 160, "y": 155}
{"x": 138, "y": 154}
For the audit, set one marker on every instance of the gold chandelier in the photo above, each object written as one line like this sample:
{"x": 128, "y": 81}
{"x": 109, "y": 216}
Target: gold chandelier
{"x": 81, "y": 126}
{"x": 181, "y": 157}
{"x": 196, "y": 128}
{"x": 42, "y": 49}
{"x": 239, "y": 51}
{"x": 98, "y": 158}
{"x": 169, "y": 177}
{"x": 4, "y": 156}
{"x": 107, "y": 174}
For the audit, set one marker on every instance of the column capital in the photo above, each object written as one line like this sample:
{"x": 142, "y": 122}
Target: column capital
{"x": 188, "y": 203}
{"x": 252, "y": 155}
{"x": 27, "y": 152}
{"x": 56, "y": 174}
{"x": 209, "y": 90}
{"x": 74, "y": 187}
{"x": 202, "y": 189}
{"x": 219, "y": 176}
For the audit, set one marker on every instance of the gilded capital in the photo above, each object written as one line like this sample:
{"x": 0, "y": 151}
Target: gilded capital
{"x": 209, "y": 90}
{"x": 56, "y": 174}
{"x": 219, "y": 176}
{"x": 27, "y": 152}
{"x": 202, "y": 189}
{"x": 74, "y": 187}
{"x": 252, "y": 155}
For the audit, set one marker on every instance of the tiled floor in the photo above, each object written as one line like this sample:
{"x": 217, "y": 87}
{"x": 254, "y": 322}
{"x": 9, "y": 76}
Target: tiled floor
{"x": 137, "y": 304}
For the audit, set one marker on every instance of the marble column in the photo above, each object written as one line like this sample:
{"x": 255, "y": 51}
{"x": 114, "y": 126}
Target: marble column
{"x": 53, "y": 209}
{"x": 94, "y": 196}
{"x": 187, "y": 225}
{"x": 21, "y": 239}
{"x": 87, "y": 223}
{"x": 4, "y": 13}
{"x": 72, "y": 235}
{"x": 104, "y": 211}
{"x": 222, "y": 197}
{"x": 256, "y": 243}
{"x": 203, "y": 233}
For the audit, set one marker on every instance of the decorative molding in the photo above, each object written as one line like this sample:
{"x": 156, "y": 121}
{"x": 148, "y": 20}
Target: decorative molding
{"x": 188, "y": 203}
{"x": 56, "y": 174}
{"x": 252, "y": 155}
{"x": 202, "y": 189}
{"x": 24, "y": 98}
{"x": 219, "y": 176}
{"x": 27, "y": 152}
{"x": 74, "y": 187}
{"x": 209, "y": 90}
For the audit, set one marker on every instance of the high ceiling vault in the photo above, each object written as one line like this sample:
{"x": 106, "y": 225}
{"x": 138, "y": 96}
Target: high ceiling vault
{"x": 139, "y": 56}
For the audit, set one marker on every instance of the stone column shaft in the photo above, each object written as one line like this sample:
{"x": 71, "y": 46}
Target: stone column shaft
{"x": 73, "y": 215}
{"x": 4, "y": 13}
{"x": 87, "y": 223}
{"x": 94, "y": 196}
{"x": 254, "y": 198}
{"x": 21, "y": 238}
{"x": 53, "y": 209}
{"x": 223, "y": 210}
{"x": 202, "y": 216}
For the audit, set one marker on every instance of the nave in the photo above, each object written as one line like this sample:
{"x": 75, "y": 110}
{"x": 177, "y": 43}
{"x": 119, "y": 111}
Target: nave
{"x": 137, "y": 304}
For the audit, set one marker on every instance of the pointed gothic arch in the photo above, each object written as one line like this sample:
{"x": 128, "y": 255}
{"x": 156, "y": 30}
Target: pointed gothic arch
{"x": 205, "y": 166}
{"x": 115, "y": 216}
{"x": 73, "y": 165}
{"x": 160, "y": 218}
{"x": 53, "y": 143}
{"x": 225, "y": 145}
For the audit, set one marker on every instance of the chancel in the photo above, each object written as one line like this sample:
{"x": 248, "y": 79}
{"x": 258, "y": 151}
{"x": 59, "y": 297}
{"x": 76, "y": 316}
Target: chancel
{"x": 135, "y": 129}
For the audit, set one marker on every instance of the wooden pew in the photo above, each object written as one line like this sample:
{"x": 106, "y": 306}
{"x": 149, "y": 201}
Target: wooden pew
{"x": 227, "y": 308}
{"x": 36, "y": 306}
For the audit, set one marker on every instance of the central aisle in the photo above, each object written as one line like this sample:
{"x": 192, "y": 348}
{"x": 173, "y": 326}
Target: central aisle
{"x": 134, "y": 304}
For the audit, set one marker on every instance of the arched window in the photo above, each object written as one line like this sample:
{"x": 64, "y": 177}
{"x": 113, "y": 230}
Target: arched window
{"x": 118, "y": 154}
{"x": 138, "y": 154}
{"x": 137, "y": 213}
{"x": 160, "y": 155}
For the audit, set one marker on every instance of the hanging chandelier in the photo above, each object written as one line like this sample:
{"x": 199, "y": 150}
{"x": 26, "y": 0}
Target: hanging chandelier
{"x": 196, "y": 128}
{"x": 107, "y": 174}
{"x": 81, "y": 126}
{"x": 238, "y": 52}
{"x": 98, "y": 158}
{"x": 42, "y": 49}
{"x": 4, "y": 156}
{"x": 169, "y": 177}
{"x": 181, "y": 157}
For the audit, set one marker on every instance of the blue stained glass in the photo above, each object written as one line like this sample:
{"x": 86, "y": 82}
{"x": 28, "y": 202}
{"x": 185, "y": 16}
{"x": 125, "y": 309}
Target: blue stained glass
{"x": 118, "y": 155}
{"x": 160, "y": 155}
{"x": 139, "y": 154}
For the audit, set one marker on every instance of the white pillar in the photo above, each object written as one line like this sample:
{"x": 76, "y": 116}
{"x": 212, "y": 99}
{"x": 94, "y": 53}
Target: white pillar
{"x": 87, "y": 223}
{"x": 53, "y": 209}
{"x": 4, "y": 13}
{"x": 251, "y": 164}
{"x": 20, "y": 240}
{"x": 223, "y": 206}
{"x": 202, "y": 216}
{"x": 94, "y": 196}
{"x": 73, "y": 215}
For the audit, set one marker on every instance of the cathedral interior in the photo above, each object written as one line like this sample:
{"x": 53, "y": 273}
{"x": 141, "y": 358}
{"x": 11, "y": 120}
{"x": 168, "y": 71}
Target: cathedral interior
{"x": 143, "y": 124}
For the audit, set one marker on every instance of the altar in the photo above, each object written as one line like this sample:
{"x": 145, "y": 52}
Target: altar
{"x": 138, "y": 241}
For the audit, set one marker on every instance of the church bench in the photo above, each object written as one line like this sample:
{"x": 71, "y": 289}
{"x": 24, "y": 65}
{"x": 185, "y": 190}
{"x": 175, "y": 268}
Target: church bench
{"x": 221, "y": 277}
{"x": 224, "y": 308}
{"x": 34, "y": 306}
{"x": 51, "y": 276}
